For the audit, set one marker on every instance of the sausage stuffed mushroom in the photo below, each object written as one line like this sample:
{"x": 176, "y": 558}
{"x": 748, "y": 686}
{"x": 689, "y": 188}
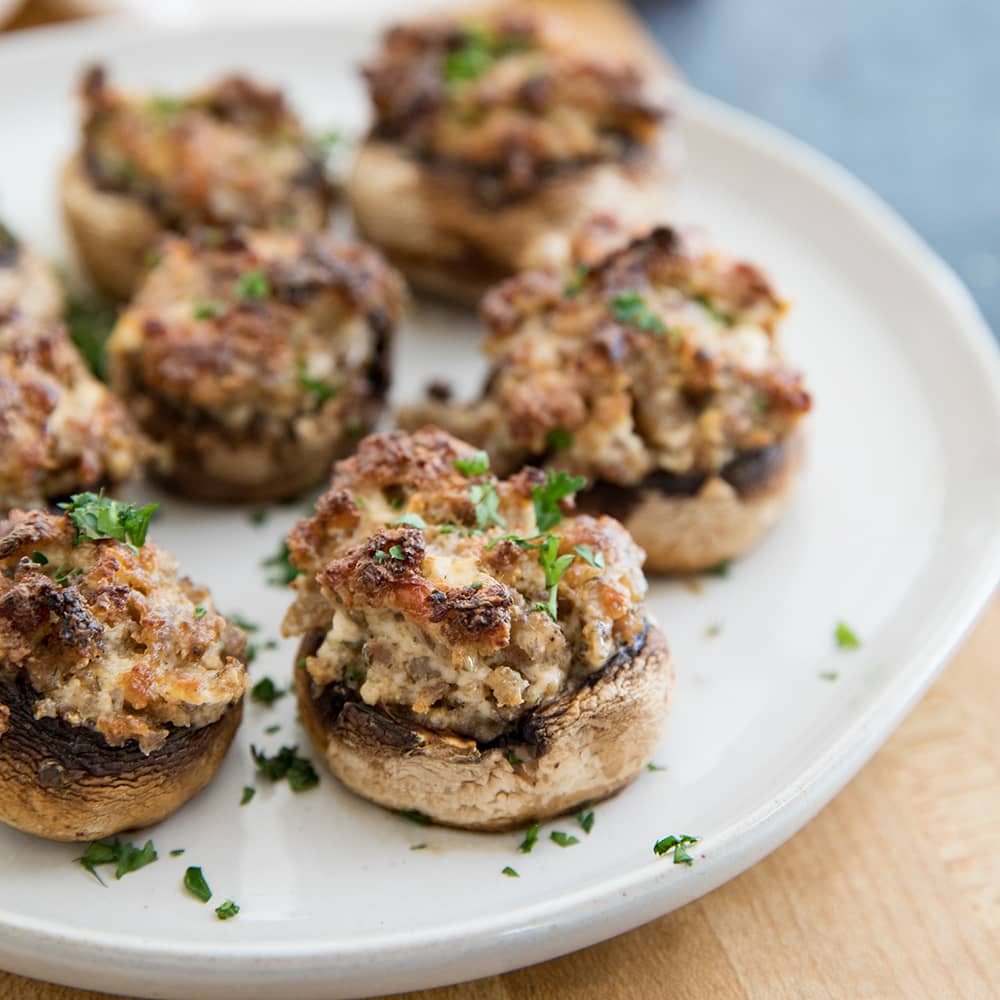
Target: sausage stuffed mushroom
{"x": 120, "y": 685}
{"x": 231, "y": 154}
{"x": 60, "y": 429}
{"x": 656, "y": 373}
{"x": 470, "y": 648}
{"x": 254, "y": 360}
{"x": 28, "y": 284}
{"x": 492, "y": 142}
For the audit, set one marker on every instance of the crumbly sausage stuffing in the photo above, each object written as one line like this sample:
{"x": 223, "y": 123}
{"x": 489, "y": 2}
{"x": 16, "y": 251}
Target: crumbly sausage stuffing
{"x": 430, "y": 611}
{"x": 110, "y": 637}
{"x": 507, "y": 97}
{"x": 60, "y": 429}
{"x": 257, "y": 333}
{"x": 660, "y": 356}
{"x": 231, "y": 153}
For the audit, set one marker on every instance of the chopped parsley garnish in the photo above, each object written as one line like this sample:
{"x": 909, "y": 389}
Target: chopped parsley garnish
{"x": 194, "y": 882}
{"x": 253, "y": 285}
{"x": 530, "y": 838}
{"x": 90, "y": 322}
{"x": 558, "y": 486}
{"x": 630, "y": 307}
{"x": 720, "y": 570}
{"x": 177, "y": 852}
{"x": 283, "y": 572}
{"x": 266, "y": 691}
{"x": 414, "y": 816}
{"x": 248, "y": 793}
{"x": 475, "y": 465}
{"x": 554, "y": 566}
{"x": 244, "y": 623}
{"x": 446, "y": 529}
{"x": 322, "y": 391}
{"x": 40, "y": 558}
{"x": 719, "y": 315}
{"x": 418, "y": 847}
{"x": 380, "y": 556}
{"x": 125, "y": 856}
{"x": 563, "y": 839}
{"x": 64, "y": 573}
{"x": 575, "y": 284}
{"x": 96, "y": 516}
{"x": 585, "y": 817}
{"x": 200, "y": 611}
{"x": 259, "y": 516}
{"x": 509, "y": 872}
{"x": 227, "y": 910}
{"x": 589, "y": 556}
{"x": 286, "y": 763}
{"x": 411, "y": 521}
{"x": 846, "y": 637}
{"x": 558, "y": 440}
{"x": 471, "y": 58}
{"x": 207, "y": 310}
{"x": 271, "y": 730}
{"x": 512, "y": 758}
{"x": 711, "y": 631}
{"x": 676, "y": 843}
{"x": 829, "y": 675}
{"x": 487, "y": 501}
{"x": 655, "y": 767}
{"x": 396, "y": 552}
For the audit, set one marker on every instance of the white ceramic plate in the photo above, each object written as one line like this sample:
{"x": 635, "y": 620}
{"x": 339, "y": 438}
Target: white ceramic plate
{"x": 894, "y": 530}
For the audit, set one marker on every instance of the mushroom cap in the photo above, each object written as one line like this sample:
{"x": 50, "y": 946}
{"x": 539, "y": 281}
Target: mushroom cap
{"x": 65, "y": 783}
{"x": 585, "y": 745}
{"x": 112, "y": 233}
{"x": 430, "y": 224}
{"x": 687, "y": 534}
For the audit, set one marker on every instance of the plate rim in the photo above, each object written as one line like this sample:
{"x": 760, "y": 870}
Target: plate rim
{"x": 568, "y": 921}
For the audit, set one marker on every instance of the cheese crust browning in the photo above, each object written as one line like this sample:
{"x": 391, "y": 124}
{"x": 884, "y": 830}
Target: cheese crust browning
{"x": 110, "y": 638}
{"x": 231, "y": 153}
{"x": 439, "y": 618}
{"x": 60, "y": 429}
{"x": 255, "y": 359}
{"x": 660, "y": 359}
{"x": 507, "y": 99}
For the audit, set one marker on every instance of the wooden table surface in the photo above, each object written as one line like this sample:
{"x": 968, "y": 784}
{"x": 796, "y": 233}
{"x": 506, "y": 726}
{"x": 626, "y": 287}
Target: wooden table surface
{"x": 892, "y": 891}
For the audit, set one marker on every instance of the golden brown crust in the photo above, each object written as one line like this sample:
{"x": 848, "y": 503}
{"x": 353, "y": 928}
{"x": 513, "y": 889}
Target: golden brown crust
{"x": 492, "y": 143}
{"x": 64, "y": 783}
{"x": 108, "y": 637}
{"x": 255, "y": 359}
{"x": 430, "y": 582}
{"x": 581, "y": 747}
{"x": 60, "y": 429}
{"x": 230, "y": 154}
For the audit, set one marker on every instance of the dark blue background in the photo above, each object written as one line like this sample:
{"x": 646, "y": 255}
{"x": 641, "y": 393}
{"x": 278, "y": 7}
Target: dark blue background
{"x": 906, "y": 95}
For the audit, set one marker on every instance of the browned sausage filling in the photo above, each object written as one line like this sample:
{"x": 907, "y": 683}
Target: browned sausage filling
{"x": 508, "y": 101}
{"x": 454, "y": 599}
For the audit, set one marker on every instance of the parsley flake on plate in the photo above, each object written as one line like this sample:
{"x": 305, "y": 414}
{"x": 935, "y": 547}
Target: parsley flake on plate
{"x": 509, "y": 872}
{"x": 194, "y": 882}
{"x": 585, "y": 817}
{"x": 248, "y": 793}
{"x": 227, "y": 910}
{"x": 283, "y": 572}
{"x": 846, "y": 637}
{"x": 414, "y": 816}
{"x": 563, "y": 839}
{"x": 266, "y": 692}
{"x": 286, "y": 764}
{"x": 125, "y": 856}
{"x": 530, "y": 838}
{"x": 676, "y": 843}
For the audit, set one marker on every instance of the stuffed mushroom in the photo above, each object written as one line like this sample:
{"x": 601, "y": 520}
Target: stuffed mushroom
{"x": 492, "y": 142}
{"x": 470, "y": 648}
{"x": 27, "y": 282}
{"x": 655, "y": 372}
{"x": 60, "y": 429}
{"x": 253, "y": 360}
{"x": 233, "y": 153}
{"x": 120, "y": 685}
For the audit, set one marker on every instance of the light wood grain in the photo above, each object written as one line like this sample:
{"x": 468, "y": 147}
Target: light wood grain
{"x": 892, "y": 891}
